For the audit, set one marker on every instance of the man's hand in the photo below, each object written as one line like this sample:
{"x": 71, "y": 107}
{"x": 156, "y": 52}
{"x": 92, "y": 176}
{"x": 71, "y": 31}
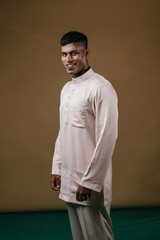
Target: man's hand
{"x": 55, "y": 182}
{"x": 82, "y": 193}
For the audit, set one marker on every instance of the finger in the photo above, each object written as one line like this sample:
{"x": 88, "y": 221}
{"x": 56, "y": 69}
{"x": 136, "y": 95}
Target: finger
{"x": 55, "y": 187}
{"x": 52, "y": 182}
{"x": 81, "y": 195}
{"x": 77, "y": 196}
{"x": 81, "y": 198}
{"x": 58, "y": 182}
{"x": 84, "y": 197}
{"x": 89, "y": 195}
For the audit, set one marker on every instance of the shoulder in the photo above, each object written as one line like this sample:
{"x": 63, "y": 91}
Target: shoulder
{"x": 65, "y": 87}
{"x": 101, "y": 84}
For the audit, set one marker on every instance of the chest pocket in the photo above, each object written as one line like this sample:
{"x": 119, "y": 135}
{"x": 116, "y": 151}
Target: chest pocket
{"x": 79, "y": 118}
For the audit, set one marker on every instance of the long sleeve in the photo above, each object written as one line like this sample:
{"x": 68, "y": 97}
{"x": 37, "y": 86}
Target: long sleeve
{"x": 106, "y": 128}
{"x": 56, "y": 163}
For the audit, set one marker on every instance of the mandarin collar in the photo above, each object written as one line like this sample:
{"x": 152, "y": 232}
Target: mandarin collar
{"x": 84, "y": 77}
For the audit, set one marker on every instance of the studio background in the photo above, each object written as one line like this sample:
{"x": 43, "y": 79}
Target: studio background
{"x": 124, "y": 43}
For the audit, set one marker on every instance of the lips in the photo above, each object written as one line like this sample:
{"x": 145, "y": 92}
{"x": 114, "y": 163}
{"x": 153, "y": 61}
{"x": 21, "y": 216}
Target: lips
{"x": 70, "y": 65}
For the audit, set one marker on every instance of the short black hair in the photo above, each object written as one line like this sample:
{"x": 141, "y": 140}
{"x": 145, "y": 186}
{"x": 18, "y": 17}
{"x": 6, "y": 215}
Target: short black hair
{"x": 74, "y": 36}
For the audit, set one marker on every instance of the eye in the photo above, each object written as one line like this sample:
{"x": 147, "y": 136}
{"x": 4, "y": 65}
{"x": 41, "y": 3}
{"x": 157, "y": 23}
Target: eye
{"x": 64, "y": 54}
{"x": 74, "y": 53}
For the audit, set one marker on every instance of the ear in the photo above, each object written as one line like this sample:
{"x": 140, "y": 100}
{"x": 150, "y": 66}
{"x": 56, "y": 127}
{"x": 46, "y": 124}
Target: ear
{"x": 87, "y": 52}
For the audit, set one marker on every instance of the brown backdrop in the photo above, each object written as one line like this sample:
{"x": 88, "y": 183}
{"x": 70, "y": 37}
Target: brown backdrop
{"x": 124, "y": 42}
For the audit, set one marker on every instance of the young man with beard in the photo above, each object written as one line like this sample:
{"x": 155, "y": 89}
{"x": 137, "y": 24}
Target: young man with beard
{"x": 82, "y": 161}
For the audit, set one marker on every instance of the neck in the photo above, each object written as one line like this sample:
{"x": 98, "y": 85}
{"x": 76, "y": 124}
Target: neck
{"x": 81, "y": 72}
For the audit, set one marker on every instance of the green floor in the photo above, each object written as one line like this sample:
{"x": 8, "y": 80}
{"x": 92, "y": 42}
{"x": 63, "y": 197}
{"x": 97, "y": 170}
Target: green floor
{"x": 128, "y": 224}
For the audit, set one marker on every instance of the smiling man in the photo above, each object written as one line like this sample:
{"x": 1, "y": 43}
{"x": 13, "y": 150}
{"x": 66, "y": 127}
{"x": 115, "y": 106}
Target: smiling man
{"x": 74, "y": 58}
{"x": 82, "y": 161}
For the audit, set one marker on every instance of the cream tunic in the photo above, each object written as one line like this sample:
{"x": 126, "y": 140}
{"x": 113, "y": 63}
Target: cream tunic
{"x": 86, "y": 139}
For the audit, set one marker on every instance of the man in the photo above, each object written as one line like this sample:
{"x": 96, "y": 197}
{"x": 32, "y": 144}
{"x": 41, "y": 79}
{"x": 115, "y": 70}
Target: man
{"x": 82, "y": 161}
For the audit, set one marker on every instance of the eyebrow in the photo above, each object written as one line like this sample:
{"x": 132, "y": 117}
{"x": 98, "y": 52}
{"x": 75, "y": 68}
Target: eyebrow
{"x": 70, "y": 51}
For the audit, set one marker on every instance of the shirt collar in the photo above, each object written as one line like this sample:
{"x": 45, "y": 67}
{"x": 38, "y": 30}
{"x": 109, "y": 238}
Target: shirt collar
{"x": 84, "y": 77}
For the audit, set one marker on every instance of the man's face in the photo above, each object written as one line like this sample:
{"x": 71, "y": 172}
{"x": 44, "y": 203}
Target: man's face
{"x": 75, "y": 58}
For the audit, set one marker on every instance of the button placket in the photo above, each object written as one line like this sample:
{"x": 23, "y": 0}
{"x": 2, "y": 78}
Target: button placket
{"x": 70, "y": 95}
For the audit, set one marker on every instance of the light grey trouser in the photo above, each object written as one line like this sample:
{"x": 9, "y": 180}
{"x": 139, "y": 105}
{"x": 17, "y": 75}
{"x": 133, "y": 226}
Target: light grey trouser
{"x": 90, "y": 223}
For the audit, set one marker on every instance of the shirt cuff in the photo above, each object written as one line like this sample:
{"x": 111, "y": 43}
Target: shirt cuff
{"x": 91, "y": 185}
{"x": 56, "y": 171}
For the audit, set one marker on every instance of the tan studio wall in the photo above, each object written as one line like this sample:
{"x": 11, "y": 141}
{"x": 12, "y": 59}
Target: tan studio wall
{"x": 124, "y": 43}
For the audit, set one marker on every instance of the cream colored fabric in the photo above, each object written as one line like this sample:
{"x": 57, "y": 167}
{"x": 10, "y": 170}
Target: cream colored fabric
{"x": 87, "y": 137}
{"x": 90, "y": 223}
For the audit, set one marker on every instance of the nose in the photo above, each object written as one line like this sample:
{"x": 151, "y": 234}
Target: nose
{"x": 69, "y": 58}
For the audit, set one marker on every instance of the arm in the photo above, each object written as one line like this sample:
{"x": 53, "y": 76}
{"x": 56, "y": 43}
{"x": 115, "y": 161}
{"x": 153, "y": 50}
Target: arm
{"x": 56, "y": 166}
{"x": 106, "y": 125}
